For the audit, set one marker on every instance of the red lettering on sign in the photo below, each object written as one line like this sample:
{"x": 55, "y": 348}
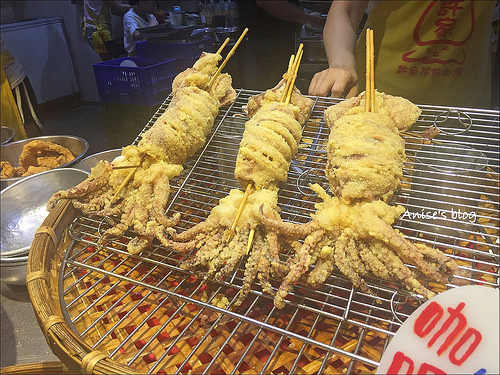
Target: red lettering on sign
{"x": 465, "y": 337}
{"x": 428, "y": 319}
{"x": 397, "y": 363}
{"x": 455, "y": 315}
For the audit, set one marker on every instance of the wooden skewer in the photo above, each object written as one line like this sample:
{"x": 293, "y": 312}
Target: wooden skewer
{"x": 294, "y": 77}
{"x": 222, "y": 46}
{"x": 289, "y": 86}
{"x": 231, "y": 53}
{"x": 291, "y": 75}
{"x": 250, "y": 240}
{"x": 370, "y": 73}
{"x": 289, "y": 70}
{"x": 248, "y": 190}
{"x": 287, "y": 76}
{"x": 125, "y": 182}
{"x": 126, "y": 166}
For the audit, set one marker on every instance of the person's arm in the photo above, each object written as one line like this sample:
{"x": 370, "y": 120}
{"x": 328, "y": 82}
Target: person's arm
{"x": 289, "y": 12}
{"x": 339, "y": 37}
{"x": 117, "y": 8}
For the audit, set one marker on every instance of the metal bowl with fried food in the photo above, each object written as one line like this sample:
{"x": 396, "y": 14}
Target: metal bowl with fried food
{"x": 34, "y": 155}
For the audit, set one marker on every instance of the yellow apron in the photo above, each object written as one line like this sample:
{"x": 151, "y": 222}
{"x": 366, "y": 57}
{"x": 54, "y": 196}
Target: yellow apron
{"x": 431, "y": 52}
{"x": 10, "y": 116}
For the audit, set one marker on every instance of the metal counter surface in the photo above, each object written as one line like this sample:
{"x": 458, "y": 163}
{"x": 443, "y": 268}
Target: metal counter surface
{"x": 22, "y": 340}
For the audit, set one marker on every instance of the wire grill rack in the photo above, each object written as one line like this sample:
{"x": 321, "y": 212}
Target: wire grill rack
{"x": 147, "y": 312}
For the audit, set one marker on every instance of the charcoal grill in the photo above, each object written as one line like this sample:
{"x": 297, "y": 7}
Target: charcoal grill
{"x": 104, "y": 310}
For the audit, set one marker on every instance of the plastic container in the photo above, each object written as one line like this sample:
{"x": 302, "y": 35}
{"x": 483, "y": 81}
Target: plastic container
{"x": 170, "y": 50}
{"x": 147, "y": 83}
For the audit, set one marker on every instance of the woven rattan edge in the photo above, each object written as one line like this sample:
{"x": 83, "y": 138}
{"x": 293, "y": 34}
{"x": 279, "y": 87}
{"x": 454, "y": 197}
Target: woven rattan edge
{"x": 64, "y": 343}
{"x": 52, "y": 367}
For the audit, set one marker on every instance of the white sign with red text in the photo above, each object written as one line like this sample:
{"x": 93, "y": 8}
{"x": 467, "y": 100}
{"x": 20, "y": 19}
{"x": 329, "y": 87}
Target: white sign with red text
{"x": 456, "y": 332}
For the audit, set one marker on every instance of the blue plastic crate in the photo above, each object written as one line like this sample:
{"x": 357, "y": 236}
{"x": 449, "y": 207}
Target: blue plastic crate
{"x": 193, "y": 50}
{"x": 148, "y": 83}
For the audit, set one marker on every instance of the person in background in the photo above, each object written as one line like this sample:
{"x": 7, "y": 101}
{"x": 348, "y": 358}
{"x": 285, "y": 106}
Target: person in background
{"x": 271, "y": 40}
{"x": 97, "y": 23}
{"x": 139, "y": 16}
{"x": 431, "y": 52}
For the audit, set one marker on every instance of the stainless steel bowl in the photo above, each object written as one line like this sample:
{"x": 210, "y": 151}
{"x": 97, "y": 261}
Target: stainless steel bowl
{"x": 8, "y": 134}
{"x": 90, "y": 161}
{"x": 23, "y": 208}
{"x": 13, "y": 271}
{"x": 11, "y": 151}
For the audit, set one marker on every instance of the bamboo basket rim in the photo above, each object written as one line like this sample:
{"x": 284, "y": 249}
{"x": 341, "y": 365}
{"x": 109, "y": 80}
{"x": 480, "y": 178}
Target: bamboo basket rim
{"x": 74, "y": 353}
{"x": 49, "y": 367}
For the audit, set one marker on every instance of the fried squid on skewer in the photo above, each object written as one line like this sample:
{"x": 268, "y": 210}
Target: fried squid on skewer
{"x": 352, "y": 230}
{"x": 136, "y": 184}
{"x": 269, "y": 142}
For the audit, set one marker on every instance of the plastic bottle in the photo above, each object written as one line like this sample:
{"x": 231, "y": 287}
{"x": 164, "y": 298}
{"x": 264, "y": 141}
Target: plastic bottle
{"x": 176, "y": 15}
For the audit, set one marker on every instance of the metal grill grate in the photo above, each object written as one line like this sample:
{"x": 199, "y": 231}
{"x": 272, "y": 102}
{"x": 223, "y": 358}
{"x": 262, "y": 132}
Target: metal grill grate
{"x": 146, "y": 311}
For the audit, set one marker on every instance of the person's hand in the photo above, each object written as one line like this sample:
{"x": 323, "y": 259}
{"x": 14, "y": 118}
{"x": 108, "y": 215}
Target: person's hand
{"x": 314, "y": 21}
{"x": 335, "y": 82}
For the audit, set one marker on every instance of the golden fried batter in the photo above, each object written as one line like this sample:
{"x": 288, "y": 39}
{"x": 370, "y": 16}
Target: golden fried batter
{"x": 37, "y": 156}
{"x": 43, "y": 149}
{"x": 8, "y": 170}
{"x": 401, "y": 111}
{"x": 366, "y": 156}
{"x": 269, "y": 141}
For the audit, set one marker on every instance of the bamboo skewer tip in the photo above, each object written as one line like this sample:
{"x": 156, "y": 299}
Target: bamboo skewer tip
{"x": 369, "y": 73}
{"x": 219, "y": 51}
{"x": 228, "y": 56}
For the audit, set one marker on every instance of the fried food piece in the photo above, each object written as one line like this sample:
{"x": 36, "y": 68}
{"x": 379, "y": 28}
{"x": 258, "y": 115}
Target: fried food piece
{"x": 273, "y": 95}
{"x": 269, "y": 141}
{"x": 139, "y": 193}
{"x": 366, "y": 156}
{"x": 39, "y": 149}
{"x": 8, "y": 170}
{"x": 401, "y": 111}
{"x": 430, "y": 133}
{"x": 182, "y": 129}
{"x": 35, "y": 169}
{"x": 365, "y": 150}
{"x": 271, "y": 137}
